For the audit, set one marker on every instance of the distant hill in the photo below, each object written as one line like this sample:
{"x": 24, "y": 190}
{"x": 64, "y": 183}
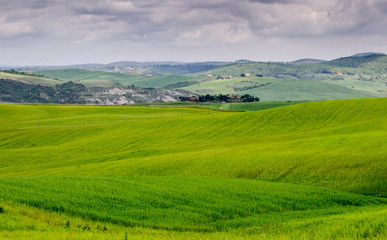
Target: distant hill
{"x": 19, "y": 88}
{"x": 29, "y": 78}
{"x": 109, "y": 79}
{"x": 307, "y": 60}
{"x": 361, "y": 76}
{"x": 19, "y": 92}
{"x": 366, "y": 54}
{"x": 272, "y": 89}
{"x": 356, "y": 61}
{"x": 357, "y": 76}
{"x": 166, "y": 67}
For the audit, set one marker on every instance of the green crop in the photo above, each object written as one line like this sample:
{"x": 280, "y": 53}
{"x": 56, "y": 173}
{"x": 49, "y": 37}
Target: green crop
{"x": 314, "y": 170}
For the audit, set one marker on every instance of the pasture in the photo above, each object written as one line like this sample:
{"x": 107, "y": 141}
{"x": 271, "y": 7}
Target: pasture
{"x": 309, "y": 170}
{"x": 29, "y": 79}
{"x": 109, "y": 79}
{"x": 271, "y": 89}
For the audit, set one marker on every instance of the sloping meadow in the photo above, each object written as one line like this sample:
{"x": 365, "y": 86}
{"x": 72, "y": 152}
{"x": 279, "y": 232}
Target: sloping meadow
{"x": 184, "y": 169}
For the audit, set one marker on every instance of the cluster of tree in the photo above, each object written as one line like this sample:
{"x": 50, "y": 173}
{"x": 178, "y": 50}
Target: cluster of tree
{"x": 18, "y": 92}
{"x": 221, "y": 98}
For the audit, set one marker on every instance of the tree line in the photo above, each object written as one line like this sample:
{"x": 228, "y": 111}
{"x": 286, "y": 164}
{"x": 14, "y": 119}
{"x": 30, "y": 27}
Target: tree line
{"x": 221, "y": 98}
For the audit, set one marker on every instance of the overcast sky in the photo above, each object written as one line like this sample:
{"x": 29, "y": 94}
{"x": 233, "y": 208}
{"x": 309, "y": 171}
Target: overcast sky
{"x": 56, "y": 32}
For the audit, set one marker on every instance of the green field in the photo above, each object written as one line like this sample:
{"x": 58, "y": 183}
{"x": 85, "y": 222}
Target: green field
{"x": 108, "y": 79}
{"x": 29, "y": 79}
{"x": 282, "y": 90}
{"x": 358, "y": 77}
{"x": 314, "y": 170}
{"x": 224, "y": 86}
{"x": 237, "y": 106}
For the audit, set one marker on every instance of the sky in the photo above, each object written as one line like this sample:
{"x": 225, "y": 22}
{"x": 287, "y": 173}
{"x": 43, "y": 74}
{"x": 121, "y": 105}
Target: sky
{"x": 62, "y": 32}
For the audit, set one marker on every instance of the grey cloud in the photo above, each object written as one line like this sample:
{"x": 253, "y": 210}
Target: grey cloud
{"x": 187, "y": 23}
{"x": 148, "y": 17}
{"x": 279, "y": 1}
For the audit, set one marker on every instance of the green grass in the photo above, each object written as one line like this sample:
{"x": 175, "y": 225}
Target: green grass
{"x": 240, "y": 106}
{"x": 336, "y": 144}
{"x": 20, "y": 221}
{"x": 255, "y": 106}
{"x": 282, "y": 90}
{"x": 29, "y": 79}
{"x": 108, "y": 79}
{"x": 360, "y": 74}
{"x": 216, "y": 86}
{"x": 314, "y": 170}
{"x": 352, "y": 82}
{"x": 303, "y": 90}
{"x": 180, "y": 203}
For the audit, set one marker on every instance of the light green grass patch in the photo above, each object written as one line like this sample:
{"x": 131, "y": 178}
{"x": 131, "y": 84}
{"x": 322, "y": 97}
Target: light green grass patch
{"x": 336, "y": 144}
{"x": 225, "y": 86}
{"x": 29, "y": 79}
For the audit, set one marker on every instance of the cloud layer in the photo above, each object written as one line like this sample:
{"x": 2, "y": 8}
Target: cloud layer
{"x": 184, "y": 26}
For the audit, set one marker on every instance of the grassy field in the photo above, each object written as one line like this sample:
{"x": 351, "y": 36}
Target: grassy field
{"x": 216, "y": 86}
{"x": 108, "y": 79}
{"x": 358, "y": 75}
{"x": 20, "y": 221}
{"x": 314, "y": 170}
{"x": 376, "y": 87}
{"x": 239, "y": 106}
{"x": 29, "y": 79}
{"x": 282, "y": 90}
{"x": 323, "y": 86}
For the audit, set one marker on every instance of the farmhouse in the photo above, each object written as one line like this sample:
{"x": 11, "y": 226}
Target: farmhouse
{"x": 338, "y": 74}
{"x": 194, "y": 98}
{"x": 234, "y": 97}
{"x": 246, "y": 74}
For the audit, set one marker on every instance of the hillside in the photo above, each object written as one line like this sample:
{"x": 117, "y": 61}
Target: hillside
{"x": 109, "y": 79}
{"x": 18, "y": 92}
{"x": 361, "y": 65}
{"x": 294, "y": 137}
{"x": 161, "y": 67}
{"x": 267, "y": 88}
{"x": 16, "y": 89}
{"x": 272, "y": 89}
{"x": 182, "y": 173}
{"x": 29, "y": 79}
{"x": 198, "y": 204}
{"x": 358, "y": 76}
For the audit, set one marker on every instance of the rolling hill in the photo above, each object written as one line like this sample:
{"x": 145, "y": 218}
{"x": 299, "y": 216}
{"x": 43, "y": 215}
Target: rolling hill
{"x": 272, "y": 89}
{"x": 144, "y": 172}
{"x": 352, "y": 77}
{"x": 109, "y": 79}
{"x": 286, "y": 134}
{"x": 267, "y": 88}
{"x": 358, "y": 76}
{"x": 18, "y": 87}
{"x": 29, "y": 79}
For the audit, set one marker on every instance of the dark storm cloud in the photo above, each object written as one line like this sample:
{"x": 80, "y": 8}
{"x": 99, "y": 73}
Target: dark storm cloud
{"x": 187, "y": 23}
